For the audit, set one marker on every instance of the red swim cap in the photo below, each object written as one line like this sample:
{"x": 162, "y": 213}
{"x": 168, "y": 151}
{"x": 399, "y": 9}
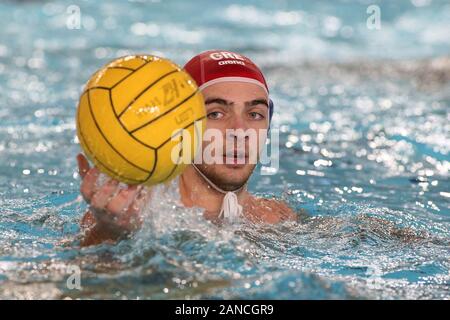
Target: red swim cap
{"x": 216, "y": 66}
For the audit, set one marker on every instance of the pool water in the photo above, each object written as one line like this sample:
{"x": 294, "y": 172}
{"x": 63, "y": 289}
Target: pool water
{"x": 365, "y": 139}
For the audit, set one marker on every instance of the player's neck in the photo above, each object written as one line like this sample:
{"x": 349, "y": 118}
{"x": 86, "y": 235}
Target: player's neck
{"x": 195, "y": 191}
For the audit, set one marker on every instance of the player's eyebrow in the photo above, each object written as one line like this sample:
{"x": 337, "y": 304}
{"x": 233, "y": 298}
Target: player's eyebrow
{"x": 225, "y": 102}
{"x": 220, "y": 101}
{"x": 256, "y": 102}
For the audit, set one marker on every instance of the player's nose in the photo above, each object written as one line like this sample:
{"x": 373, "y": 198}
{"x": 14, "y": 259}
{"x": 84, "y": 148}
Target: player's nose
{"x": 238, "y": 130}
{"x": 238, "y": 122}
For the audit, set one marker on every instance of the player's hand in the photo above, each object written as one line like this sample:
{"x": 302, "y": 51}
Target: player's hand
{"x": 116, "y": 210}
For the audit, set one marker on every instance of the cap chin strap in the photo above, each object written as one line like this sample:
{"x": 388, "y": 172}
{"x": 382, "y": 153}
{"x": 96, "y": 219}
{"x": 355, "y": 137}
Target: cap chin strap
{"x": 231, "y": 210}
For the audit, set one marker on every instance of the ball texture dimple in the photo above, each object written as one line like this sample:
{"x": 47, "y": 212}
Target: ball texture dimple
{"x": 131, "y": 115}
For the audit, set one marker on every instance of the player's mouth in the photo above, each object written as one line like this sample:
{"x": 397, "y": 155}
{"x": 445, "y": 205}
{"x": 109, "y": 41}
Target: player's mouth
{"x": 235, "y": 159}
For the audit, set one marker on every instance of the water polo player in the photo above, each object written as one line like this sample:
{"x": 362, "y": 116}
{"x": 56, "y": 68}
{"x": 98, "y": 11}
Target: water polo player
{"x": 236, "y": 97}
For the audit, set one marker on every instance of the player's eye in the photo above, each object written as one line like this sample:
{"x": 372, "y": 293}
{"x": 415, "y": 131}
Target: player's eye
{"x": 215, "y": 115}
{"x": 256, "y": 115}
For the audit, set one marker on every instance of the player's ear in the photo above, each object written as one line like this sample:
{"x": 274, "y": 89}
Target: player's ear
{"x": 271, "y": 106}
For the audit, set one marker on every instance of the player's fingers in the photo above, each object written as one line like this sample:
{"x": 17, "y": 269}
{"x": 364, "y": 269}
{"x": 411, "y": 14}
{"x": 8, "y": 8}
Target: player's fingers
{"x": 134, "y": 212}
{"x": 83, "y": 165}
{"x": 131, "y": 219}
{"x": 139, "y": 201}
{"x": 103, "y": 195}
{"x": 122, "y": 200}
{"x": 88, "y": 184}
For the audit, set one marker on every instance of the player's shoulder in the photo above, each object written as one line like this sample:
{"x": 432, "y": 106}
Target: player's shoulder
{"x": 272, "y": 210}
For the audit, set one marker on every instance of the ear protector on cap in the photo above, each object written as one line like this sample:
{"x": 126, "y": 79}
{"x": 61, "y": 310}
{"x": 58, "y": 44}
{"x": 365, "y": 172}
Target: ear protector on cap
{"x": 271, "y": 106}
{"x": 270, "y": 109}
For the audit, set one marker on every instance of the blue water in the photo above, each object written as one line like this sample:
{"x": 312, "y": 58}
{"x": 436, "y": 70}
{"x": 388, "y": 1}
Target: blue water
{"x": 373, "y": 103}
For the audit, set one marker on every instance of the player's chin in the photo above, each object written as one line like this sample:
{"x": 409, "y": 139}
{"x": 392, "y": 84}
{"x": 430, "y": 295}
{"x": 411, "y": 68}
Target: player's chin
{"x": 236, "y": 172}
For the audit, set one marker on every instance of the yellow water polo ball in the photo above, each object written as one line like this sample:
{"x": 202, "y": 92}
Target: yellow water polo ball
{"x": 133, "y": 117}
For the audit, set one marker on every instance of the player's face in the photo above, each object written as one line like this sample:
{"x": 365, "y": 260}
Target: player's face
{"x": 233, "y": 107}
